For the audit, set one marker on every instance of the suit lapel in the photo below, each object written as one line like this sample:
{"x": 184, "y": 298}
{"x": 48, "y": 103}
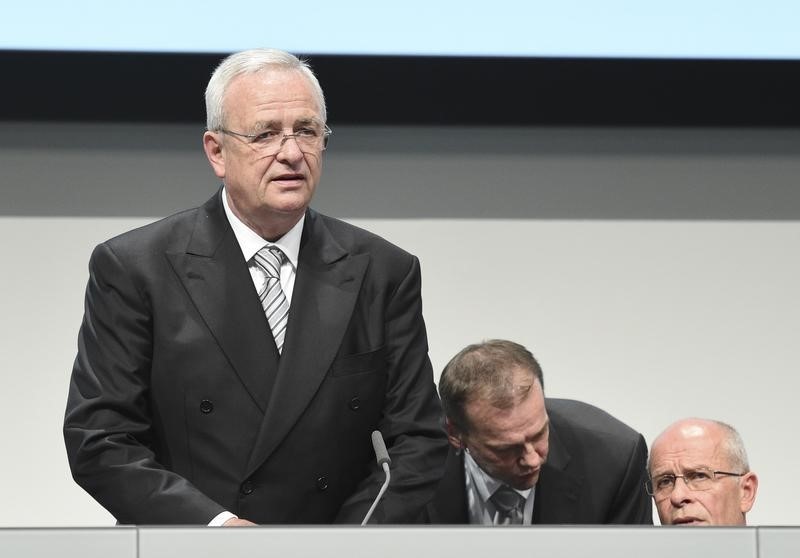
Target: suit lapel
{"x": 215, "y": 275}
{"x": 449, "y": 505}
{"x": 558, "y": 490}
{"x": 325, "y": 292}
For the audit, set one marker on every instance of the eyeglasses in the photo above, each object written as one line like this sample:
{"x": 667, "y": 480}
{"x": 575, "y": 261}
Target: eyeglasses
{"x": 699, "y": 479}
{"x": 310, "y": 139}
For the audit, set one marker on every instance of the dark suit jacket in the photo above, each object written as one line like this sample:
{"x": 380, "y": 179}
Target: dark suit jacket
{"x": 594, "y": 474}
{"x": 179, "y": 406}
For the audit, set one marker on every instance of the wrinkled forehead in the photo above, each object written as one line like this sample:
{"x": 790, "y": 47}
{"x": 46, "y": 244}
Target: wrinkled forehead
{"x": 519, "y": 412}
{"x": 274, "y": 87}
{"x": 688, "y": 447}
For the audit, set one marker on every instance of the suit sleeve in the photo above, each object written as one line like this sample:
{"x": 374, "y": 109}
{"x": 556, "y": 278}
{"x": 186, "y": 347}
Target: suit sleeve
{"x": 411, "y": 422}
{"x": 108, "y": 426}
{"x": 632, "y": 504}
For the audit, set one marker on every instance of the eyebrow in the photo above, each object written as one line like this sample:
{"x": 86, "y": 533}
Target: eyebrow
{"x": 545, "y": 427}
{"x": 683, "y": 470}
{"x": 278, "y": 125}
{"x": 537, "y": 436}
{"x": 304, "y": 121}
{"x": 662, "y": 474}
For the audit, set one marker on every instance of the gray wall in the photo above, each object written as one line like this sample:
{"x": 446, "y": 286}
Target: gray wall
{"x": 653, "y": 272}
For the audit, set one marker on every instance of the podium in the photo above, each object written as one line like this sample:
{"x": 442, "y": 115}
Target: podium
{"x": 402, "y": 542}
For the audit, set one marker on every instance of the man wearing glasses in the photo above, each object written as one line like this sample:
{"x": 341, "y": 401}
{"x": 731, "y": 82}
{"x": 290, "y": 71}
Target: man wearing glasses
{"x": 699, "y": 475}
{"x": 518, "y": 458}
{"x": 235, "y": 358}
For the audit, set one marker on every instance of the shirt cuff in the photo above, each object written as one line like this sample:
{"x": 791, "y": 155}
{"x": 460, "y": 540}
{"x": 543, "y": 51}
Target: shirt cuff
{"x": 220, "y": 519}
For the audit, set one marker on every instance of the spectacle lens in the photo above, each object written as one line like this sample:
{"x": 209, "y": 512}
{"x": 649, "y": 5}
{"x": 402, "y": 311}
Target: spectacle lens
{"x": 309, "y": 139}
{"x": 701, "y": 479}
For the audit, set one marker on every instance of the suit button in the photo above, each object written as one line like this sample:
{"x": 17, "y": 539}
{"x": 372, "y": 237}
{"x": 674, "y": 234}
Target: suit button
{"x": 247, "y": 488}
{"x": 354, "y": 404}
{"x": 206, "y": 406}
{"x": 322, "y": 483}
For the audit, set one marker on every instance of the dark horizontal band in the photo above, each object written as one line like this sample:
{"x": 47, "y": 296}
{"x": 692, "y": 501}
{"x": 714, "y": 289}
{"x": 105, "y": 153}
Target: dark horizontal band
{"x": 401, "y": 90}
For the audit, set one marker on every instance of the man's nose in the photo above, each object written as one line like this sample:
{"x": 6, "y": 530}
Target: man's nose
{"x": 290, "y": 149}
{"x": 530, "y": 456}
{"x": 680, "y": 492}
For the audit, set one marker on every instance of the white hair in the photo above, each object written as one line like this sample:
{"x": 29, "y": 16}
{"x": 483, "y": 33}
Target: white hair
{"x": 734, "y": 446}
{"x": 250, "y": 62}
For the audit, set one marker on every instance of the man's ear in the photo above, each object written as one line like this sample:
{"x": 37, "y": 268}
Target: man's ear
{"x": 212, "y": 145}
{"x": 749, "y": 487}
{"x": 453, "y": 434}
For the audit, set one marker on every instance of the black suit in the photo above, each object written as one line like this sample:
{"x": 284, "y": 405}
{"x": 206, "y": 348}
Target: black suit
{"x": 594, "y": 474}
{"x": 180, "y": 407}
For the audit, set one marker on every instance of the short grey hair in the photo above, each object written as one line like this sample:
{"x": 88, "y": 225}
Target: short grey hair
{"x": 734, "y": 447}
{"x": 250, "y": 62}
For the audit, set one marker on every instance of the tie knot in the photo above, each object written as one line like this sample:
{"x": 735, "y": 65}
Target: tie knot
{"x": 506, "y": 499}
{"x": 270, "y": 259}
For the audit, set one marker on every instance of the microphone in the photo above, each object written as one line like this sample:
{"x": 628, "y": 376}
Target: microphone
{"x": 383, "y": 459}
{"x": 381, "y": 455}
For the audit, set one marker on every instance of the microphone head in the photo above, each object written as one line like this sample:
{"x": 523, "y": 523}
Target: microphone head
{"x": 381, "y": 454}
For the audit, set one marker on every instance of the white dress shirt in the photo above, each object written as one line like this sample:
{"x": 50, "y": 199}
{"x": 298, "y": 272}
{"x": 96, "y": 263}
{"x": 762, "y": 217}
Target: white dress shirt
{"x": 250, "y": 243}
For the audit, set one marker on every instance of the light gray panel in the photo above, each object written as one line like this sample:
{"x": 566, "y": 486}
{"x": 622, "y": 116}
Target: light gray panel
{"x": 74, "y": 169}
{"x": 120, "y": 170}
{"x": 116, "y": 542}
{"x": 465, "y": 542}
{"x": 779, "y": 542}
{"x": 563, "y": 173}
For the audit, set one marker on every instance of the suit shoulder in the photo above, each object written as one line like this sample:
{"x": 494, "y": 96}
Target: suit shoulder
{"x": 583, "y": 419}
{"x": 155, "y": 236}
{"x": 358, "y": 240}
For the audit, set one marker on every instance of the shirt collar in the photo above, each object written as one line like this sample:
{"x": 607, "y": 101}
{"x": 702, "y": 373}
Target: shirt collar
{"x": 250, "y": 242}
{"x": 486, "y": 484}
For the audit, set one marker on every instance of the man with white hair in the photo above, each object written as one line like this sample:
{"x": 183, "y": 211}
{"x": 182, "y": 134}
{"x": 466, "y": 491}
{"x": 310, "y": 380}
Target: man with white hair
{"x": 235, "y": 358}
{"x": 699, "y": 474}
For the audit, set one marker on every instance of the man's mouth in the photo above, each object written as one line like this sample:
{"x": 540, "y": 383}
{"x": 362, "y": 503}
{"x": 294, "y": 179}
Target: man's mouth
{"x": 527, "y": 476}
{"x": 686, "y": 521}
{"x": 289, "y": 177}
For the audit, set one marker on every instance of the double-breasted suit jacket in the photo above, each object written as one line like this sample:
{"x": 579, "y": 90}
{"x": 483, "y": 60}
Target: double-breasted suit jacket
{"x": 180, "y": 406}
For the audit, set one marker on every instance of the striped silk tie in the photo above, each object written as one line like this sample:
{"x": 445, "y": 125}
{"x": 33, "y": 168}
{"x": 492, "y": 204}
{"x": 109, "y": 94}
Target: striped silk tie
{"x": 273, "y": 299}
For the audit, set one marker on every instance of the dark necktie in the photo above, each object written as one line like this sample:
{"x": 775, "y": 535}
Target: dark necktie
{"x": 509, "y": 505}
{"x": 273, "y": 299}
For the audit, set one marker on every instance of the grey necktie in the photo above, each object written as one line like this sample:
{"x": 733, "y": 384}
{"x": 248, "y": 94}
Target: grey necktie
{"x": 509, "y": 504}
{"x": 273, "y": 299}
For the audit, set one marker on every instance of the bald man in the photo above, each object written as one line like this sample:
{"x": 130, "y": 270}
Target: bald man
{"x": 699, "y": 474}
